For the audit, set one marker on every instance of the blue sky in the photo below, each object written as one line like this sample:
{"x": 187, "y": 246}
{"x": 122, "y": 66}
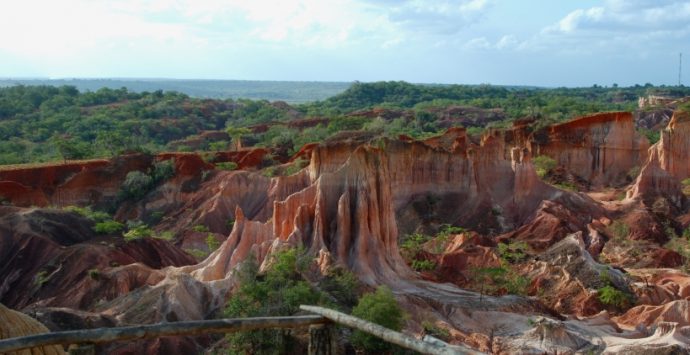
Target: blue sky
{"x": 505, "y": 42}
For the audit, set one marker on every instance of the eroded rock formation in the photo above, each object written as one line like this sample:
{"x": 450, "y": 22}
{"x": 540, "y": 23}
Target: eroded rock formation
{"x": 350, "y": 206}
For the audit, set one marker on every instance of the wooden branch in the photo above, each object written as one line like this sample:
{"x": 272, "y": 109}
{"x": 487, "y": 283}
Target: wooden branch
{"x": 107, "y": 335}
{"x": 388, "y": 335}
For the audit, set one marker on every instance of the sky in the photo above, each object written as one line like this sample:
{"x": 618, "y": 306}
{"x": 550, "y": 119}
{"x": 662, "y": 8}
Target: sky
{"x": 501, "y": 42}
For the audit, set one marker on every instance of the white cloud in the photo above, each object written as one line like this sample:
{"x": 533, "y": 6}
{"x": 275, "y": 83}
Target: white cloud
{"x": 506, "y": 42}
{"x": 627, "y": 16}
{"x": 478, "y": 43}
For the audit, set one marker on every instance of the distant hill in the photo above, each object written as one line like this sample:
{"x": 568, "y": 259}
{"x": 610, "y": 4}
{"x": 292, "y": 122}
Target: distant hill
{"x": 290, "y": 91}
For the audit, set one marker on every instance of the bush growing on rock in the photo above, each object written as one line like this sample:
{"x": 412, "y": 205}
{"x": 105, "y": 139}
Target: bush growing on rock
{"x": 108, "y": 227}
{"x": 135, "y": 186}
{"x": 381, "y": 308}
{"x": 612, "y": 296}
{"x": 228, "y": 166}
{"x": 543, "y": 164}
{"x": 138, "y": 232}
{"x": 279, "y": 291}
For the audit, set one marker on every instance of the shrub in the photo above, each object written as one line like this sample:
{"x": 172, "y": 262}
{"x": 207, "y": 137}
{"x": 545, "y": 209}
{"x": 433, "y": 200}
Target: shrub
{"x": 436, "y": 331}
{"x": 381, "y": 308}
{"x": 270, "y": 171}
{"x": 423, "y": 265}
{"x": 619, "y": 230}
{"x": 513, "y": 252}
{"x": 491, "y": 280}
{"x": 200, "y": 228}
{"x": 96, "y": 216}
{"x": 41, "y": 278}
{"x": 566, "y": 186}
{"x": 212, "y": 242}
{"x": 167, "y": 235}
{"x": 279, "y": 292}
{"x": 138, "y": 232}
{"x": 229, "y": 166}
{"x": 108, "y": 227}
{"x": 686, "y": 186}
{"x": 634, "y": 172}
{"x": 198, "y": 254}
{"x": 163, "y": 170}
{"x": 135, "y": 186}
{"x": 342, "y": 285}
{"x": 94, "y": 274}
{"x": 411, "y": 245}
{"x": 543, "y": 164}
{"x": 612, "y": 296}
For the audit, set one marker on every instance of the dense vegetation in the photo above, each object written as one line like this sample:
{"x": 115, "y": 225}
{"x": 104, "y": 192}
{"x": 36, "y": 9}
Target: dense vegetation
{"x": 47, "y": 123}
{"x": 283, "y": 287}
{"x": 289, "y": 91}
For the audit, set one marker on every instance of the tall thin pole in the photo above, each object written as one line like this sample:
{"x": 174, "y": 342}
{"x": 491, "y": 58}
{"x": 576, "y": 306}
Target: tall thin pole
{"x": 680, "y": 65}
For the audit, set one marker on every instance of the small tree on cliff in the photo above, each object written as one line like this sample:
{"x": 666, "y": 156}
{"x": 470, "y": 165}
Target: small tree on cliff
{"x": 236, "y": 134}
{"x": 69, "y": 148}
{"x": 381, "y": 308}
{"x": 543, "y": 165}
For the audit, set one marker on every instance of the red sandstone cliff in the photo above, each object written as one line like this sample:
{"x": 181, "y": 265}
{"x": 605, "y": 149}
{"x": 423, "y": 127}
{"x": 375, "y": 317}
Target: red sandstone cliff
{"x": 600, "y": 148}
{"x": 350, "y": 205}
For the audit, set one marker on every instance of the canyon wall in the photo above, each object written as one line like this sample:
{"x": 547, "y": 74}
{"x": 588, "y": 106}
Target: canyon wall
{"x": 601, "y": 148}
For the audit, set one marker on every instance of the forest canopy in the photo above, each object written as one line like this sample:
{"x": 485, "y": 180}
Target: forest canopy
{"x": 48, "y": 123}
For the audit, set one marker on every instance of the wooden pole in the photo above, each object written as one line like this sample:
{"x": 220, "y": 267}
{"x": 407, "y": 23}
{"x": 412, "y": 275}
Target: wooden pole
{"x": 322, "y": 340}
{"x": 388, "y": 335}
{"x": 107, "y": 335}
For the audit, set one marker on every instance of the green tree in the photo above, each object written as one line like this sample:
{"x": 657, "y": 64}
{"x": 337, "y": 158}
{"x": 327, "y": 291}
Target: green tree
{"x": 70, "y": 148}
{"x": 135, "y": 186}
{"x": 381, "y": 308}
{"x": 543, "y": 165}
{"x": 279, "y": 292}
{"x": 236, "y": 134}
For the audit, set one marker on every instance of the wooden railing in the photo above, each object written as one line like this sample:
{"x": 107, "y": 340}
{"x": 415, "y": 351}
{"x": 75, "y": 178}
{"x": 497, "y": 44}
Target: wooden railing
{"x": 321, "y": 333}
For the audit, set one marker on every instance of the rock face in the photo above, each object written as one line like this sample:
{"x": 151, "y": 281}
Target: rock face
{"x": 53, "y": 258}
{"x": 675, "y": 146}
{"x": 349, "y": 207}
{"x": 667, "y": 165}
{"x": 601, "y": 148}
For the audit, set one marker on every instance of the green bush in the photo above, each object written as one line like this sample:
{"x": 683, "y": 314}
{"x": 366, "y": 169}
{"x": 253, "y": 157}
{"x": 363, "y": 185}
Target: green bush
{"x": 135, "y": 186}
{"x": 436, "y": 331}
{"x": 412, "y": 244}
{"x": 200, "y": 228}
{"x": 163, "y": 170}
{"x": 212, "y": 242}
{"x": 491, "y": 280}
{"x": 543, "y": 164}
{"x": 167, "y": 235}
{"x": 612, "y": 296}
{"x": 138, "y": 232}
{"x": 342, "y": 285}
{"x": 96, "y": 216}
{"x": 198, "y": 254}
{"x": 619, "y": 229}
{"x": 229, "y": 166}
{"x": 108, "y": 227}
{"x": 381, "y": 308}
{"x": 423, "y": 265}
{"x": 279, "y": 292}
{"x": 94, "y": 274}
{"x": 513, "y": 252}
{"x": 41, "y": 278}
